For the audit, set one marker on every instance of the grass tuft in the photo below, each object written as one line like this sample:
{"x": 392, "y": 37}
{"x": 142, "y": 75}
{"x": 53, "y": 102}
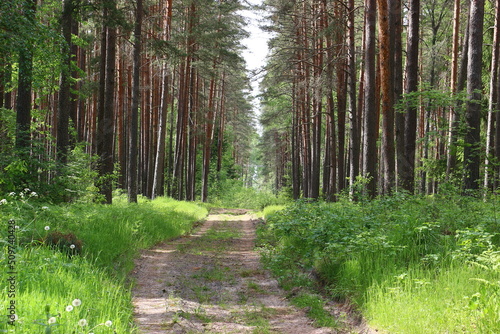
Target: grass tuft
{"x": 106, "y": 238}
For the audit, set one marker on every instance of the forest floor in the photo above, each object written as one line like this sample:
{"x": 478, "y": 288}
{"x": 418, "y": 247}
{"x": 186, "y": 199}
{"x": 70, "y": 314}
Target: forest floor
{"x": 212, "y": 282}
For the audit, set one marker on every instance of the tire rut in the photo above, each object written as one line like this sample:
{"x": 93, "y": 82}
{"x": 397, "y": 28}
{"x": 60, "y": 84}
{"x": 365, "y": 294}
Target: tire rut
{"x": 212, "y": 282}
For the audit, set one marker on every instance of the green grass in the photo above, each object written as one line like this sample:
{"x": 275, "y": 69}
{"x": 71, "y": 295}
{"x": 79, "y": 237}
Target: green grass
{"x": 315, "y": 309}
{"x": 49, "y": 280}
{"x": 232, "y": 194}
{"x": 410, "y": 264}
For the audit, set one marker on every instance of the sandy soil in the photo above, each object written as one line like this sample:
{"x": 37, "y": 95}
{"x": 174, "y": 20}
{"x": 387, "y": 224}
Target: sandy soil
{"x": 212, "y": 282}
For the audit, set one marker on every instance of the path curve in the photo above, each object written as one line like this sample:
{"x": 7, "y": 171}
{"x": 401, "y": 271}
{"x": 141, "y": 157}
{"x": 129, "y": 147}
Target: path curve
{"x": 212, "y": 282}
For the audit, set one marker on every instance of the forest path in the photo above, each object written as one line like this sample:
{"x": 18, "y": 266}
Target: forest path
{"x": 212, "y": 282}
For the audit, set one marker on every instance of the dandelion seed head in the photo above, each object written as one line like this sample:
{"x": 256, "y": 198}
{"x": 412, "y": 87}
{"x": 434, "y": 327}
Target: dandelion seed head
{"x": 47, "y": 228}
{"x": 69, "y": 308}
{"x": 82, "y": 322}
{"x": 77, "y": 302}
{"x": 72, "y": 246}
{"x": 108, "y": 323}
{"x": 52, "y": 320}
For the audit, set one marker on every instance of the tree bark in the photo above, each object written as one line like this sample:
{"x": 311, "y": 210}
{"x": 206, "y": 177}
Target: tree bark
{"x": 105, "y": 116}
{"x": 370, "y": 107}
{"x": 134, "y": 114}
{"x": 412, "y": 55}
{"x": 64, "y": 108}
{"x": 474, "y": 86}
{"x": 25, "y": 78}
{"x": 386, "y": 54}
{"x": 493, "y": 100}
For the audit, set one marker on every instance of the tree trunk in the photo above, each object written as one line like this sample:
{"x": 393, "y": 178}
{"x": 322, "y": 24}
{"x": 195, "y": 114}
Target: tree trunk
{"x": 387, "y": 92}
{"x": 134, "y": 115}
{"x": 105, "y": 133}
{"x": 64, "y": 108}
{"x": 493, "y": 100}
{"x": 453, "y": 116}
{"x": 370, "y": 107}
{"x": 412, "y": 55}
{"x": 25, "y": 77}
{"x": 474, "y": 86}
{"x": 397, "y": 74}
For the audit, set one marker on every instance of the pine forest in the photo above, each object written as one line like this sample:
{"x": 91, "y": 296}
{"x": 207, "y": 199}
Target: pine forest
{"x": 350, "y": 146}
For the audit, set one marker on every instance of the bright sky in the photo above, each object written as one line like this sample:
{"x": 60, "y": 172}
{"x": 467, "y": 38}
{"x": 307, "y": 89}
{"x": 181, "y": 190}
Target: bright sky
{"x": 257, "y": 49}
{"x": 257, "y": 42}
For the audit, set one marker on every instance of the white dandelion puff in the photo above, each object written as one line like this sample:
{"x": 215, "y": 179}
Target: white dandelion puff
{"x": 77, "y": 302}
{"x": 72, "y": 246}
{"x": 108, "y": 323}
{"x": 52, "y": 320}
{"x": 47, "y": 228}
{"x": 69, "y": 308}
{"x": 82, "y": 322}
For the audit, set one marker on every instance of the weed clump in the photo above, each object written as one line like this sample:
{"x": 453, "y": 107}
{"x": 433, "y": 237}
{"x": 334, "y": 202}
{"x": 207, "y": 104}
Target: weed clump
{"x": 65, "y": 242}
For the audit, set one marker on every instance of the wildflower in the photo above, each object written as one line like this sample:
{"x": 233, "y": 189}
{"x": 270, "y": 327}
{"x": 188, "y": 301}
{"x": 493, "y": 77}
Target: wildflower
{"x": 13, "y": 317}
{"x": 33, "y": 194}
{"x": 45, "y": 207}
{"x": 72, "y": 246}
{"x": 47, "y": 228}
{"x": 16, "y": 227}
{"x": 108, "y": 323}
{"x": 52, "y": 320}
{"x": 3, "y": 201}
{"x": 12, "y": 194}
{"x": 27, "y": 190}
{"x": 82, "y": 322}
{"x": 69, "y": 308}
{"x": 77, "y": 302}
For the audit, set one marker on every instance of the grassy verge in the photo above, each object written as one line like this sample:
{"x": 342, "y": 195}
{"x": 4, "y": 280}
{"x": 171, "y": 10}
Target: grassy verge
{"x": 410, "y": 264}
{"x": 79, "y": 285}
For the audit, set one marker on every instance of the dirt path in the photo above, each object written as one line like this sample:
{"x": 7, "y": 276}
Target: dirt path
{"x": 212, "y": 282}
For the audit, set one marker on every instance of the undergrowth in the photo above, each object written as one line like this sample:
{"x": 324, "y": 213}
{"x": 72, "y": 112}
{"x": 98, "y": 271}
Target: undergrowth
{"x": 233, "y": 194}
{"x": 410, "y": 264}
{"x": 57, "y": 290}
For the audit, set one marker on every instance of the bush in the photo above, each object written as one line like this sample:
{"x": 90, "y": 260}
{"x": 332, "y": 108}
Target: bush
{"x": 392, "y": 248}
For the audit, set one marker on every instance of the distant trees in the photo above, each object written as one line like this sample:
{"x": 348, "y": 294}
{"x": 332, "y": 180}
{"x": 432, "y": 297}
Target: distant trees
{"x": 156, "y": 93}
{"x": 156, "y": 90}
{"x": 414, "y": 135}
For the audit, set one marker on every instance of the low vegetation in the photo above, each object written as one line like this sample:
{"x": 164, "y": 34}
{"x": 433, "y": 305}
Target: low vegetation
{"x": 409, "y": 264}
{"x": 71, "y": 261}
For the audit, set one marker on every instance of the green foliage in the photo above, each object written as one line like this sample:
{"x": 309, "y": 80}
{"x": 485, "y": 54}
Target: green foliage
{"x": 427, "y": 257}
{"x": 73, "y": 182}
{"x": 233, "y": 194}
{"x": 315, "y": 309}
{"x": 49, "y": 279}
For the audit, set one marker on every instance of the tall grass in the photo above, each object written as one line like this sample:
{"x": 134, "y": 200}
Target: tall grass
{"x": 233, "y": 194}
{"x": 411, "y": 264}
{"x": 48, "y": 280}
